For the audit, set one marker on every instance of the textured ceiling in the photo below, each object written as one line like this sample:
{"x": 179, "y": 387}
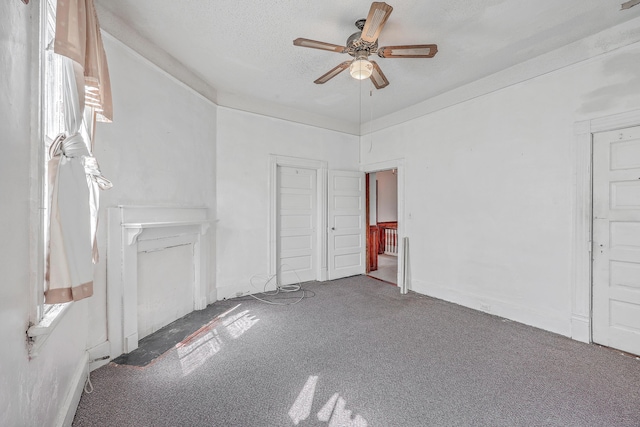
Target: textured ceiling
{"x": 244, "y": 50}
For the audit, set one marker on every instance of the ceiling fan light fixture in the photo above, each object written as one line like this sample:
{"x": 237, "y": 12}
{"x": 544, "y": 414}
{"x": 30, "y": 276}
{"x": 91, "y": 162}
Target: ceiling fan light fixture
{"x": 363, "y": 43}
{"x": 361, "y": 68}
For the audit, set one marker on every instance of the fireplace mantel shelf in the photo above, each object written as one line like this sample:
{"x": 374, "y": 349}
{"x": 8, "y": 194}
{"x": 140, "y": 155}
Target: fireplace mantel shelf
{"x": 135, "y": 228}
{"x": 163, "y": 224}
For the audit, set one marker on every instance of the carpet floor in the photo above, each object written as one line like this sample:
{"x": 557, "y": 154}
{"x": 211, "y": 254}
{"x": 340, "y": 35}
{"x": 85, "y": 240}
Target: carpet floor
{"x": 358, "y": 353}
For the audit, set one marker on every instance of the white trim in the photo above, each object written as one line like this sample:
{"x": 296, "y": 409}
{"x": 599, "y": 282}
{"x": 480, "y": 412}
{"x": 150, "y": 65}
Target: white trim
{"x": 40, "y": 332}
{"x": 142, "y": 48}
{"x": 542, "y": 318}
{"x": 116, "y": 31}
{"x": 580, "y": 328}
{"x": 133, "y": 229}
{"x": 581, "y": 264}
{"x": 399, "y": 165}
{"x": 42, "y": 321}
{"x": 586, "y": 49}
{"x": 581, "y": 303}
{"x": 49, "y": 320}
{"x": 71, "y": 400}
{"x": 616, "y": 121}
{"x": 37, "y": 171}
{"x": 582, "y": 50}
{"x": 323, "y": 218}
{"x": 99, "y": 355}
{"x": 321, "y": 168}
{"x": 213, "y": 296}
{"x": 205, "y": 95}
{"x": 290, "y": 114}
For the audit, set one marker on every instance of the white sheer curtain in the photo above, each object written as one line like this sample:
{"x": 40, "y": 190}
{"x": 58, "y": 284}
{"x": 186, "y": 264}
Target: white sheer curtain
{"x": 78, "y": 37}
{"x": 74, "y": 176}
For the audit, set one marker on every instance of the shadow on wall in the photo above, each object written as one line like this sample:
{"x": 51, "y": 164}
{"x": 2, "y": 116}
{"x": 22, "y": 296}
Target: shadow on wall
{"x": 624, "y": 67}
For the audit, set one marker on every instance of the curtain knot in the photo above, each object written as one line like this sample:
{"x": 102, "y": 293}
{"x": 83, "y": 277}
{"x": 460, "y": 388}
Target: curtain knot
{"x": 74, "y": 146}
{"x": 71, "y": 146}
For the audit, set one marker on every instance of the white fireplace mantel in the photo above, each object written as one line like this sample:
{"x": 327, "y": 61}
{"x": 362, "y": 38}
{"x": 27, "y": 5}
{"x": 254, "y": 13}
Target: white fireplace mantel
{"x": 136, "y": 229}
{"x": 133, "y": 230}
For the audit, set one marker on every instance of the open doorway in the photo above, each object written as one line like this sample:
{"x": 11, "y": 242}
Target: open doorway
{"x": 382, "y": 233}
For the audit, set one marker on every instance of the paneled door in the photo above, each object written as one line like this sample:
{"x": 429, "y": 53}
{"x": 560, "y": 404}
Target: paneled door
{"x": 616, "y": 239}
{"x": 346, "y": 222}
{"x": 297, "y": 222}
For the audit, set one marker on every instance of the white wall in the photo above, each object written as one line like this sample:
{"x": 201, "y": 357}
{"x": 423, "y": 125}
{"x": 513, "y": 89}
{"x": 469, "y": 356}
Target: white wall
{"x": 31, "y": 391}
{"x": 159, "y": 150}
{"x": 387, "y": 196}
{"x": 244, "y": 143}
{"x": 488, "y": 193}
{"x": 373, "y": 199}
{"x": 489, "y": 183}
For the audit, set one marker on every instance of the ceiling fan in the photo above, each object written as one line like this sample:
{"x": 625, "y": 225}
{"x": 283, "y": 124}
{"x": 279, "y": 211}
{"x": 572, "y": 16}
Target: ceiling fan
{"x": 363, "y": 43}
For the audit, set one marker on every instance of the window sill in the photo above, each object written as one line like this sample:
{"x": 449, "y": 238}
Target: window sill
{"x": 38, "y": 334}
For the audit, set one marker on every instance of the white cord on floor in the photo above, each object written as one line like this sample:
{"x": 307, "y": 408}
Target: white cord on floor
{"x": 295, "y": 287}
{"x": 88, "y": 387}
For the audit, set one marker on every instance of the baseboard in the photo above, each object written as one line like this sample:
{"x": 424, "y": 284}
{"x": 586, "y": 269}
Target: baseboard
{"x": 72, "y": 399}
{"x": 200, "y": 303}
{"x": 232, "y": 291}
{"x": 99, "y": 355}
{"x": 549, "y": 321}
{"x": 213, "y": 296}
{"x": 580, "y": 330}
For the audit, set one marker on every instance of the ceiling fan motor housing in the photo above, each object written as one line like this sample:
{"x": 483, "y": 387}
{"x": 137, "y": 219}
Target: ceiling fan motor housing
{"x": 355, "y": 43}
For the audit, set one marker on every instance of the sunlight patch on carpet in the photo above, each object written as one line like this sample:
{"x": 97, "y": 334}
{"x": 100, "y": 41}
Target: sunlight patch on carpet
{"x": 333, "y": 411}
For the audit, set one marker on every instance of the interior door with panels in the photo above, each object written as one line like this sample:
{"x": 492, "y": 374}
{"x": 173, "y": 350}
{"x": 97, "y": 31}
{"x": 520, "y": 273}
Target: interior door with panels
{"x": 297, "y": 219}
{"x": 346, "y": 222}
{"x": 616, "y": 239}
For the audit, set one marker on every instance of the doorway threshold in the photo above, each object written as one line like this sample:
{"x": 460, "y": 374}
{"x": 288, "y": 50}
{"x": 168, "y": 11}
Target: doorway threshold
{"x": 382, "y": 280}
{"x": 387, "y": 269}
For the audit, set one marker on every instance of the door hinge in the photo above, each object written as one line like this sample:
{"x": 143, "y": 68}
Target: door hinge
{"x": 590, "y": 246}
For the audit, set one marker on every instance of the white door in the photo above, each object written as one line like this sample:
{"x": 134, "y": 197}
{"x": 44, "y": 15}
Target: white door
{"x": 346, "y": 222}
{"x": 297, "y": 211}
{"x": 616, "y": 239}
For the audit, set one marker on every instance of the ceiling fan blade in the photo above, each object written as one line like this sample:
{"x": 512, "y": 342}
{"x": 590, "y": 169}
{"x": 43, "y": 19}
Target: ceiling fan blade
{"x": 377, "y": 77}
{"x": 378, "y": 15}
{"x": 408, "y": 51}
{"x": 318, "y": 45}
{"x": 332, "y": 73}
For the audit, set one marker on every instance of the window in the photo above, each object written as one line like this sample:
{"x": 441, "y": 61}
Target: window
{"x": 52, "y": 124}
{"x": 64, "y": 145}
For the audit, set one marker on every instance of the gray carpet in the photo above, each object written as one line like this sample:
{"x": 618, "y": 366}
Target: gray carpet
{"x": 360, "y": 354}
